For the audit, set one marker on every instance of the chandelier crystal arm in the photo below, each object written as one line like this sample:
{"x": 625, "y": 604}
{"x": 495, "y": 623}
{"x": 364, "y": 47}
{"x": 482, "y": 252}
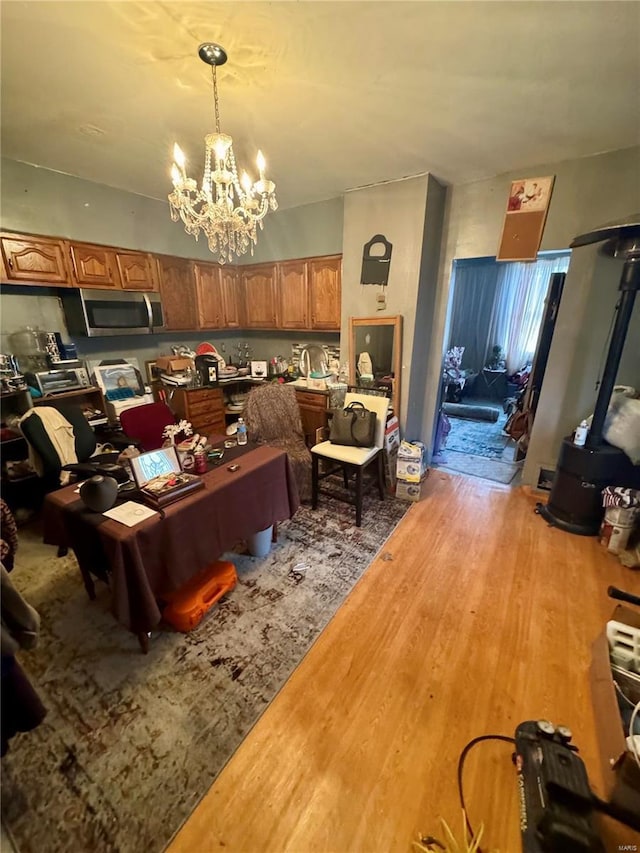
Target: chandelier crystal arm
{"x": 224, "y": 207}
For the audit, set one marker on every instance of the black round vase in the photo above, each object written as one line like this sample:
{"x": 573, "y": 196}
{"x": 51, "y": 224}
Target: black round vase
{"x": 99, "y": 493}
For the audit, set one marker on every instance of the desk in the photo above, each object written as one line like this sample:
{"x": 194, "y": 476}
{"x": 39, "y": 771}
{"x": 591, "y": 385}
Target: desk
{"x": 159, "y": 555}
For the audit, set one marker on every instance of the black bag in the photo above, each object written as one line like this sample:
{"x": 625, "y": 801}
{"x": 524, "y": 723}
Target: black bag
{"x": 354, "y": 426}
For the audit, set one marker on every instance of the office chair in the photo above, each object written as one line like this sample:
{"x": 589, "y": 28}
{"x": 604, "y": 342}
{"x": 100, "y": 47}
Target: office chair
{"x": 272, "y": 416}
{"x": 145, "y": 424}
{"x": 352, "y": 460}
{"x": 44, "y": 446}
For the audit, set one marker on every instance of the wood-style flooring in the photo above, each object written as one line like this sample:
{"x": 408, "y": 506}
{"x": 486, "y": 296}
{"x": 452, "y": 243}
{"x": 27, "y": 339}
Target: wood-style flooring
{"x": 474, "y": 617}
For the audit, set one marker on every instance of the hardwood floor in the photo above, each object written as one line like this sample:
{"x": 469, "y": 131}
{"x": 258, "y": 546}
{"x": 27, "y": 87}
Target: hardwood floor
{"x": 475, "y": 616}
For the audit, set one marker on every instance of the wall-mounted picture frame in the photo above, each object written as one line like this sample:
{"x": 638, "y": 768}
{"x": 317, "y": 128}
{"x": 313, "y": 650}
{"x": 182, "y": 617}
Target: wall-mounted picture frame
{"x": 258, "y": 369}
{"x": 525, "y": 217}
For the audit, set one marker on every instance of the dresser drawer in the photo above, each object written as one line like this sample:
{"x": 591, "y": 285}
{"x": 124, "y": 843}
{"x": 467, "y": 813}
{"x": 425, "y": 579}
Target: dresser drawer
{"x": 200, "y": 394}
{"x": 208, "y": 426}
{"x": 204, "y": 408}
{"x": 309, "y": 400}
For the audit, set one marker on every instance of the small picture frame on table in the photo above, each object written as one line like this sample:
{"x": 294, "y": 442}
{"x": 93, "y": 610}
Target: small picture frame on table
{"x": 152, "y": 371}
{"x": 258, "y": 369}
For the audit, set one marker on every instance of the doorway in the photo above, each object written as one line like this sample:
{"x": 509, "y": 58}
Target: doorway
{"x": 500, "y": 324}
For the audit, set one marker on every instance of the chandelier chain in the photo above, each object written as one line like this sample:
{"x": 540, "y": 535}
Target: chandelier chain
{"x": 216, "y": 104}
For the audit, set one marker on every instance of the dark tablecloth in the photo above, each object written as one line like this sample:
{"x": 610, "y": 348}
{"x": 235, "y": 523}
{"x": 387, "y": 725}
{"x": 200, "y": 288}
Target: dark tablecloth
{"x": 162, "y": 553}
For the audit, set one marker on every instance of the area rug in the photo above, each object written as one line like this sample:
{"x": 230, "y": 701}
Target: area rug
{"x": 479, "y": 466}
{"x": 132, "y": 742}
{"x": 477, "y": 437}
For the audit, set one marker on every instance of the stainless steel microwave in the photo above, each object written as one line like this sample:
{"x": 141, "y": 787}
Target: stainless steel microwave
{"x": 112, "y": 312}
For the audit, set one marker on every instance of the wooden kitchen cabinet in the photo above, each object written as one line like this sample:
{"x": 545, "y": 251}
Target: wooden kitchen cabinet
{"x": 314, "y": 407}
{"x": 93, "y": 266}
{"x": 202, "y": 407}
{"x": 33, "y": 260}
{"x": 136, "y": 270}
{"x": 232, "y": 297}
{"x": 219, "y": 297}
{"x": 259, "y": 284}
{"x": 178, "y": 293}
{"x": 106, "y": 267}
{"x": 325, "y": 290}
{"x": 293, "y": 295}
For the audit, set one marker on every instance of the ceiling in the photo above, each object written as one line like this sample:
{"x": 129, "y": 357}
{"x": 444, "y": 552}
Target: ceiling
{"x": 336, "y": 94}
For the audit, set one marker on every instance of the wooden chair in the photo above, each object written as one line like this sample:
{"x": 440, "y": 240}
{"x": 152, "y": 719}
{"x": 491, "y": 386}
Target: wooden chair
{"x": 352, "y": 460}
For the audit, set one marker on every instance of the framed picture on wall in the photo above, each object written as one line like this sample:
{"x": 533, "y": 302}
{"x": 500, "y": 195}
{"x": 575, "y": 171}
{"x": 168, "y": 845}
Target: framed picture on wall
{"x": 527, "y": 208}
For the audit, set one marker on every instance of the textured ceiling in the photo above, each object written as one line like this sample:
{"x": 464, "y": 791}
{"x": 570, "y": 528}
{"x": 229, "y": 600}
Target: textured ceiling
{"x": 337, "y": 94}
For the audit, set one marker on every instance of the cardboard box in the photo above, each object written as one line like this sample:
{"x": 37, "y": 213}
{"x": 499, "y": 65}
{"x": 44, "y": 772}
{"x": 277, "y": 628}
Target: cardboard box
{"x": 412, "y": 461}
{"x": 409, "y": 491}
{"x": 173, "y": 364}
{"x": 620, "y": 773}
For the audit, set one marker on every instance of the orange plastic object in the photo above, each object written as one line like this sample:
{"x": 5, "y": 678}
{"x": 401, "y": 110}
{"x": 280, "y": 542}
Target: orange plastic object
{"x": 187, "y": 605}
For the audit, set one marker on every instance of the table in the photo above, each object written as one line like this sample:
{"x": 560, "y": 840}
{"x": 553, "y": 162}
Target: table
{"x": 159, "y": 555}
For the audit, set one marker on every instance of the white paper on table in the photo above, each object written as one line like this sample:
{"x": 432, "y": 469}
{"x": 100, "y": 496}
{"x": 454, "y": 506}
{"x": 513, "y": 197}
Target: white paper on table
{"x": 130, "y": 513}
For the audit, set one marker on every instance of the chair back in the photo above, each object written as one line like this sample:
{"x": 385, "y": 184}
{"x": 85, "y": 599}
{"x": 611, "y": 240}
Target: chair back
{"x": 36, "y": 434}
{"x": 272, "y": 413}
{"x": 379, "y": 405}
{"x": 146, "y": 423}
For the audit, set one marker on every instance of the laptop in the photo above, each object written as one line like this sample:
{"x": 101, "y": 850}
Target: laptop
{"x": 158, "y": 477}
{"x": 154, "y": 463}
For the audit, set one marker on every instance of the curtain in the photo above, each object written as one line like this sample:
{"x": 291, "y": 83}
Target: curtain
{"x": 519, "y": 306}
{"x": 474, "y": 293}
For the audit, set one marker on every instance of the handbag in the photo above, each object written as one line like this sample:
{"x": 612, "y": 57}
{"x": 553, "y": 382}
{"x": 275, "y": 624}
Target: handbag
{"x": 354, "y": 426}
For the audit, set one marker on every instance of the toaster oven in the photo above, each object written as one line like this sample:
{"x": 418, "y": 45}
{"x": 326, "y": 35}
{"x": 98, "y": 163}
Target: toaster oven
{"x": 58, "y": 381}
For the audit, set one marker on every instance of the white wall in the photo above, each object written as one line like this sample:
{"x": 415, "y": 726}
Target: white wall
{"x": 396, "y": 210}
{"x": 588, "y": 192}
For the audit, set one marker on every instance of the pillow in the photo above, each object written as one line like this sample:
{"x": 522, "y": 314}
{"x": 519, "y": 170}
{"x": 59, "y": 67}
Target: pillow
{"x": 622, "y": 425}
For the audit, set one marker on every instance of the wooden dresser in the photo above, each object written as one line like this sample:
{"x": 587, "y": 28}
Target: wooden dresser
{"x": 202, "y": 407}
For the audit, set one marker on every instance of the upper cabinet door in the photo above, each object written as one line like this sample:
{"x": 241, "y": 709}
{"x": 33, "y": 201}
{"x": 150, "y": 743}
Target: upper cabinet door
{"x": 325, "y": 289}
{"x": 93, "y": 266}
{"x": 136, "y": 270}
{"x": 293, "y": 295}
{"x": 232, "y": 297}
{"x": 178, "y": 293}
{"x": 209, "y": 296}
{"x": 34, "y": 260}
{"x": 260, "y": 297}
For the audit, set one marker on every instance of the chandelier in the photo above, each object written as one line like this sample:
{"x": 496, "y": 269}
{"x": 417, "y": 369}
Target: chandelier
{"x": 225, "y": 209}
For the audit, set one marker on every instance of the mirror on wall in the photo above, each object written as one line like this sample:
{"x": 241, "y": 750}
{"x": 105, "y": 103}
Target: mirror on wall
{"x": 375, "y": 347}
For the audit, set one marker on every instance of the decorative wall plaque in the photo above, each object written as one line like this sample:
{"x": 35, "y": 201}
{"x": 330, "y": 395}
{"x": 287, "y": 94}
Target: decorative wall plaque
{"x": 375, "y": 267}
{"x": 526, "y": 214}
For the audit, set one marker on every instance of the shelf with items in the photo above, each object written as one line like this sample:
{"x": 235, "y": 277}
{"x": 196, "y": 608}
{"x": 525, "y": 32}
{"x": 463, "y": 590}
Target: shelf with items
{"x": 90, "y": 400}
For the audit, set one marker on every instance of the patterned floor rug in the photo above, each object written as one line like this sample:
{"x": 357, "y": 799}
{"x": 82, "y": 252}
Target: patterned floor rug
{"x": 478, "y": 438}
{"x": 132, "y": 742}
